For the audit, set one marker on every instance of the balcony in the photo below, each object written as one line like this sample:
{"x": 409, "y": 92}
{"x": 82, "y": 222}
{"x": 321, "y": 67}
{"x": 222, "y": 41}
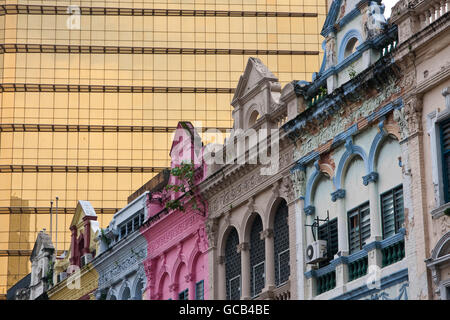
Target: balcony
{"x": 347, "y": 273}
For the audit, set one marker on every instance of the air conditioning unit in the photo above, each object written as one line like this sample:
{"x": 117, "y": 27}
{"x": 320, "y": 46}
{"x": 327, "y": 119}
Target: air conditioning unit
{"x": 316, "y": 251}
{"x": 86, "y": 259}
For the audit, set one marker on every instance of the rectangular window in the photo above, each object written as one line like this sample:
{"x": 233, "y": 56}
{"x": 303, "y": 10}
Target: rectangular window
{"x": 136, "y": 223}
{"x": 200, "y": 290}
{"x": 123, "y": 232}
{"x": 392, "y": 211}
{"x": 329, "y": 232}
{"x": 184, "y": 295}
{"x": 358, "y": 227}
{"x": 129, "y": 227}
{"x": 445, "y": 145}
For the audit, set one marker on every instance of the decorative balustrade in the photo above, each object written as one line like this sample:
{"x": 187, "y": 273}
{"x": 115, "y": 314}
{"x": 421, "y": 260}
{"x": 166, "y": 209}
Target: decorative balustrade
{"x": 393, "y": 253}
{"x": 283, "y": 292}
{"x": 326, "y": 282}
{"x": 316, "y": 99}
{"x": 389, "y": 48}
{"x": 358, "y": 268}
{"x": 430, "y": 11}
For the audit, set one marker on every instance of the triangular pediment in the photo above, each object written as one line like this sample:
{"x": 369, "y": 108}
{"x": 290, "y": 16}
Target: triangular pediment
{"x": 84, "y": 208}
{"x": 255, "y": 72}
{"x": 43, "y": 241}
{"x": 185, "y": 137}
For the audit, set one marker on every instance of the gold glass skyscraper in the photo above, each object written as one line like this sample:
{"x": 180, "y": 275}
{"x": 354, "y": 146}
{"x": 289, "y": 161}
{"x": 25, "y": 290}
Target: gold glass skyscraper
{"x": 90, "y": 91}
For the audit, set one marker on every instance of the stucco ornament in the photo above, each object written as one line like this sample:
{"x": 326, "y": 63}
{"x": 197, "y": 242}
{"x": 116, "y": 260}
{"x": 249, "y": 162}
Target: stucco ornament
{"x": 211, "y": 226}
{"x": 286, "y": 187}
{"x": 373, "y": 20}
{"x": 401, "y": 117}
{"x": 298, "y": 177}
{"x": 331, "y": 51}
{"x": 408, "y": 117}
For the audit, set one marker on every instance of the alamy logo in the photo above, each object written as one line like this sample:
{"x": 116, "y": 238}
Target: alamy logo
{"x": 258, "y": 147}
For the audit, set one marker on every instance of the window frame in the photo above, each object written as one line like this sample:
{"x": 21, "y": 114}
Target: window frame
{"x": 185, "y": 294}
{"x": 392, "y": 190}
{"x": 203, "y": 291}
{"x": 443, "y": 162}
{"x": 334, "y": 221}
{"x": 365, "y": 204}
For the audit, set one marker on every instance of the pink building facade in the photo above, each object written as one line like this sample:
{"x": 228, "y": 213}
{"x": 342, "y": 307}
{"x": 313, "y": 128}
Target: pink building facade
{"x": 177, "y": 263}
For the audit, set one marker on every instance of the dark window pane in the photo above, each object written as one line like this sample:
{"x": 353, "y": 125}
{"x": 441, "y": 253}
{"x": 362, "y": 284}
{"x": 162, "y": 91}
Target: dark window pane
{"x": 392, "y": 211}
{"x": 257, "y": 256}
{"x": 199, "y": 290}
{"x": 281, "y": 244}
{"x": 232, "y": 266}
{"x": 328, "y": 231}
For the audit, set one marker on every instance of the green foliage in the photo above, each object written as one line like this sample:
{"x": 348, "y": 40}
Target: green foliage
{"x": 447, "y": 212}
{"x": 323, "y": 91}
{"x": 103, "y": 237}
{"x": 352, "y": 72}
{"x": 185, "y": 174}
{"x": 49, "y": 275}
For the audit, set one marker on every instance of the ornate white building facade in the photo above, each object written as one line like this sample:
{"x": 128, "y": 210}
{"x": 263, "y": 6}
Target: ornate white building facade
{"x": 363, "y": 222}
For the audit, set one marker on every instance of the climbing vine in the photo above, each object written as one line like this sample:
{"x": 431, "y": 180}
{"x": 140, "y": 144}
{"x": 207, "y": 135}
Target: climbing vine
{"x": 185, "y": 174}
{"x": 49, "y": 275}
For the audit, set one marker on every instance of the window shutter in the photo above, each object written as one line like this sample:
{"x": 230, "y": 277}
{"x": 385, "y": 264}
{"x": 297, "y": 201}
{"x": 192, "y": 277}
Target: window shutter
{"x": 392, "y": 211}
{"x": 445, "y": 144}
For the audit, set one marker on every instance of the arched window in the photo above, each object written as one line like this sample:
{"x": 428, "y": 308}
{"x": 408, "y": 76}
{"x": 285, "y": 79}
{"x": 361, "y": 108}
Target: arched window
{"x": 257, "y": 257}
{"x": 254, "y": 117}
{"x": 233, "y": 266}
{"x": 138, "y": 291}
{"x": 351, "y": 47}
{"x": 281, "y": 244}
{"x": 126, "y": 295}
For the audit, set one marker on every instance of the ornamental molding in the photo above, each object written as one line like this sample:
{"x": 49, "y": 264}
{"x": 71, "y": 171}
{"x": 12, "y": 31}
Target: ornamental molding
{"x": 123, "y": 266}
{"x": 244, "y": 246}
{"x": 177, "y": 231}
{"x": 409, "y": 117}
{"x": 371, "y": 177}
{"x": 324, "y": 131}
{"x": 245, "y": 187}
{"x": 268, "y": 233}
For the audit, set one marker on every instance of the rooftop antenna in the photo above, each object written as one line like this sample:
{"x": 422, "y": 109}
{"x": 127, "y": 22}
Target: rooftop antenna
{"x": 51, "y": 216}
{"x": 56, "y": 236}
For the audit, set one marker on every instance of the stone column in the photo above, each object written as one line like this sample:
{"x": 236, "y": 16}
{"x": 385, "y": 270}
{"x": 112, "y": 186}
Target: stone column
{"x": 221, "y": 281}
{"x": 270, "y": 258}
{"x": 297, "y": 237}
{"x": 339, "y": 197}
{"x": 409, "y": 119}
{"x": 73, "y": 240}
{"x": 296, "y": 241}
{"x": 371, "y": 180}
{"x": 87, "y": 237}
{"x": 243, "y": 249}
